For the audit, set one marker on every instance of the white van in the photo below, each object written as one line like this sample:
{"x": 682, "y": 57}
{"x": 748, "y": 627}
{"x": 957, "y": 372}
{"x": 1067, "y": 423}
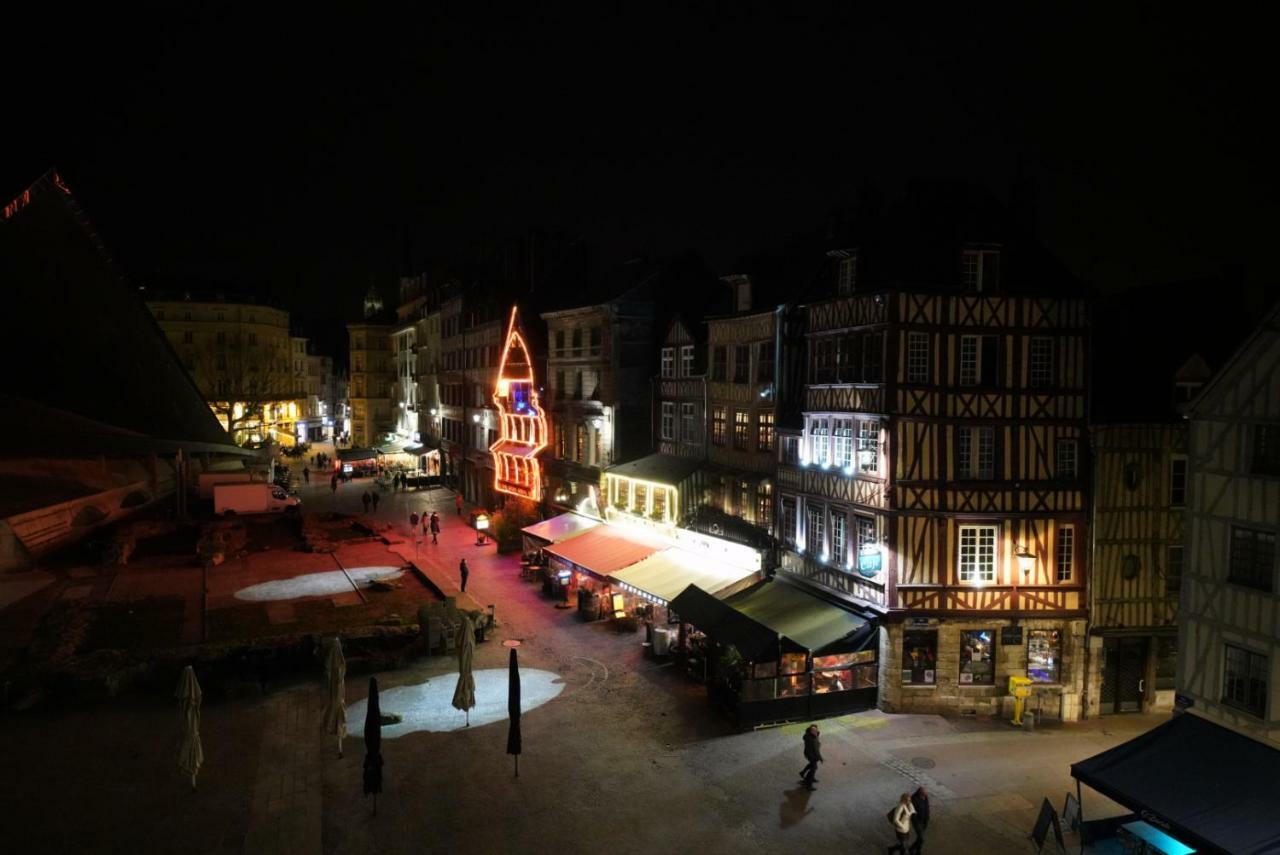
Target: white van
{"x": 209, "y": 480}
{"x": 252, "y": 499}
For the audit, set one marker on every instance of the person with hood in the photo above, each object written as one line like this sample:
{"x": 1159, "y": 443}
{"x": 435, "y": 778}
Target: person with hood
{"x": 920, "y": 801}
{"x": 435, "y": 527}
{"x": 812, "y": 754}
{"x": 900, "y": 819}
{"x": 366, "y": 499}
{"x": 413, "y": 522}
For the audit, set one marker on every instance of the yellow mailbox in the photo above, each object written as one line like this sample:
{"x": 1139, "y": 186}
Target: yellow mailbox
{"x": 1020, "y": 688}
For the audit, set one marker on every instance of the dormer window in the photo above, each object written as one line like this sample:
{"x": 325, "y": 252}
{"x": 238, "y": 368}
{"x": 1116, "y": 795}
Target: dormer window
{"x": 980, "y": 268}
{"x": 847, "y": 273}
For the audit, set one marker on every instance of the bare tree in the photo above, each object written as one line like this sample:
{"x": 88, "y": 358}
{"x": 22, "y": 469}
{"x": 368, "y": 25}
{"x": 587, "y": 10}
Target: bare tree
{"x": 243, "y": 381}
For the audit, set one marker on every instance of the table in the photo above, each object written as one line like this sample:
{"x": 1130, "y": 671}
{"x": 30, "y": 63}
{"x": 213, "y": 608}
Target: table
{"x": 1155, "y": 840}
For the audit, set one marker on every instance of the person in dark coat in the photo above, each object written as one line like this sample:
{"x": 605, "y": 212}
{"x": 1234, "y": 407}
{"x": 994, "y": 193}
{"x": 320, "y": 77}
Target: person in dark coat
{"x": 457, "y": 503}
{"x": 374, "y": 496}
{"x": 464, "y": 573}
{"x": 435, "y": 527}
{"x": 413, "y": 522}
{"x": 333, "y": 483}
{"x": 920, "y": 820}
{"x": 306, "y": 475}
{"x": 366, "y": 499}
{"x": 813, "y": 754}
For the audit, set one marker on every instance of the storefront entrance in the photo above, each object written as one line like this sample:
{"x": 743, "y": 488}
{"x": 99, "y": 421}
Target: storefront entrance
{"x": 1123, "y": 674}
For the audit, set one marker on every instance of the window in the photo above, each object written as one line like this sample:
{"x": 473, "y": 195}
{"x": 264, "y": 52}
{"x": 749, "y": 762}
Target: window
{"x": 559, "y": 342}
{"x": 590, "y": 383}
{"x": 788, "y": 520}
{"x": 559, "y": 428}
{"x": 919, "y": 657}
{"x": 814, "y": 536}
{"x": 188, "y": 337}
{"x": 668, "y": 420}
{"x": 819, "y": 451}
{"x": 580, "y": 444}
{"x": 597, "y": 446}
{"x": 1244, "y": 680}
{"x": 764, "y": 506}
{"x": 1064, "y": 461}
{"x": 719, "y": 360}
{"x": 764, "y": 362}
{"x": 717, "y": 425}
{"x": 975, "y": 453}
{"x": 824, "y": 360}
{"x": 220, "y": 337}
{"x": 253, "y": 339}
{"x": 668, "y": 362}
{"x": 687, "y": 423}
{"x": 977, "y": 553}
{"x": 1040, "y": 362}
{"x": 980, "y": 269}
{"x": 1253, "y": 558}
{"x": 977, "y": 664}
{"x": 1044, "y": 655}
{"x": 686, "y": 360}
{"x": 847, "y": 275}
{"x": 1065, "y": 551}
{"x": 866, "y": 531}
{"x": 917, "y": 357}
{"x": 742, "y": 363}
{"x": 842, "y": 440}
{"x": 979, "y": 360}
{"x": 839, "y": 530}
{"x": 595, "y": 341}
{"x": 744, "y": 500}
{"x": 868, "y": 446}
{"x": 1266, "y": 450}
{"x": 741, "y": 427}
{"x": 1178, "y": 482}
{"x": 764, "y": 431}
{"x": 1173, "y": 570}
{"x": 577, "y": 342}
{"x": 791, "y": 450}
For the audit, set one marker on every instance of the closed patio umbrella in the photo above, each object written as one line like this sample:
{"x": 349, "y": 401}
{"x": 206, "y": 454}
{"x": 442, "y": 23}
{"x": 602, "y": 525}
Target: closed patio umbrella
{"x": 464, "y": 696}
{"x": 513, "y": 710}
{"x": 190, "y": 752}
{"x": 335, "y": 706}
{"x": 373, "y": 745}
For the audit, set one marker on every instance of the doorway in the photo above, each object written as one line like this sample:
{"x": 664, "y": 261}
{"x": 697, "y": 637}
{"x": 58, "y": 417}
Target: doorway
{"x": 1124, "y": 675}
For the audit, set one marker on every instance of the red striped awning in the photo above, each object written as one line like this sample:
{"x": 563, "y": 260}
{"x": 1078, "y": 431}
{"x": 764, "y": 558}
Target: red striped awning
{"x": 606, "y": 549}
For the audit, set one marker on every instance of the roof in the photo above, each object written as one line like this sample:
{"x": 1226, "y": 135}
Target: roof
{"x": 606, "y": 549}
{"x": 357, "y": 454}
{"x": 560, "y": 528}
{"x": 69, "y": 307}
{"x": 1211, "y": 787}
{"x": 665, "y": 574}
{"x": 659, "y": 468}
{"x": 1270, "y": 326}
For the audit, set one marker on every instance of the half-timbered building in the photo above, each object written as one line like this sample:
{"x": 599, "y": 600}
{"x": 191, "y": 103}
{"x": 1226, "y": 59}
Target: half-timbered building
{"x": 681, "y": 391}
{"x": 1229, "y": 621}
{"x": 946, "y": 396}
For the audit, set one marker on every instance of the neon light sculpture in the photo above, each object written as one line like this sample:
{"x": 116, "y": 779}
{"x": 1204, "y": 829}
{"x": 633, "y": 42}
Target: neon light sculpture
{"x": 523, "y": 431}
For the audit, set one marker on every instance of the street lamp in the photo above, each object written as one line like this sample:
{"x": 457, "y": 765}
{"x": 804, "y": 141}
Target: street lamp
{"x": 1026, "y": 561}
{"x": 475, "y": 417}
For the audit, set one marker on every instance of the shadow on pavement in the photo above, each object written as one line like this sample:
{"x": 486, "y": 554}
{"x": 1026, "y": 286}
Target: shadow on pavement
{"x": 795, "y": 807}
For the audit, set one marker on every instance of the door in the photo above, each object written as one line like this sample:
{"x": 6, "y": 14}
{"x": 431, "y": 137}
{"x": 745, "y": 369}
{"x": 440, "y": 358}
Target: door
{"x": 1124, "y": 670}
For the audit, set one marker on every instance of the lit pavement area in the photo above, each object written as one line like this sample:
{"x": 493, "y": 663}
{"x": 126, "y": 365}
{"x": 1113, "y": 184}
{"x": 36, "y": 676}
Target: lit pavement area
{"x": 317, "y": 584}
{"x": 627, "y": 758}
{"x": 428, "y": 706}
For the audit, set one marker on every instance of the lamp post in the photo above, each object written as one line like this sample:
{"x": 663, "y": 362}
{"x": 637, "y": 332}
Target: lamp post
{"x": 1026, "y": 563}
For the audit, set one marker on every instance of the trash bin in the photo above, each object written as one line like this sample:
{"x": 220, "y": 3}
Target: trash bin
{"x": 1028, "y": 721}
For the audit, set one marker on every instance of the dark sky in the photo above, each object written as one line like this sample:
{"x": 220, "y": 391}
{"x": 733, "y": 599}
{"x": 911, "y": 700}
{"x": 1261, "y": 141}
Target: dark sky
{"x": 293, "y": 151}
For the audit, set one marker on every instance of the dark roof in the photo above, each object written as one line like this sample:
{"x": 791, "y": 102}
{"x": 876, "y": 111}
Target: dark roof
{"x": 84, "y": 339}
{"x": 1212, "y": 787}
{"x": 659, "y": 468}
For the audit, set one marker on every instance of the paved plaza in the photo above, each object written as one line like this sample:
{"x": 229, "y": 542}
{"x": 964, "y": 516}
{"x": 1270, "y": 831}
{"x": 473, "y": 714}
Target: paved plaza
{"x": 621, "y": 754}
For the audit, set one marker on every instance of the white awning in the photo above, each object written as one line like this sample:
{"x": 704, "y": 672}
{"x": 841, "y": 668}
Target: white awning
{"x": 665, "y": 574}
{"x": 561, "y": 528}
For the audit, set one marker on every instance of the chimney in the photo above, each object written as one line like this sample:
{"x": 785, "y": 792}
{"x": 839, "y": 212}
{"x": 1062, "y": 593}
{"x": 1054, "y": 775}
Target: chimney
{"x": 740, "y": 287}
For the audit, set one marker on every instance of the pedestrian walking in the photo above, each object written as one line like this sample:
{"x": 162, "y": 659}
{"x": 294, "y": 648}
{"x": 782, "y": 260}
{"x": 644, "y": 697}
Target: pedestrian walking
{"x": 457, "y": 502}
{"x": 812, "y": 754}
{"x": 333, "y": 484}
{"x": 374, "y": 496}
{"x": 920, "y": 821}
{"x": 900, "y": 819}
{"x": 306, "y": 475}
{"x": 464, "y": 573}
{"x": 413, "y": 521}
{"x": 366, "y": 498}
{"x": 435, "y": 527}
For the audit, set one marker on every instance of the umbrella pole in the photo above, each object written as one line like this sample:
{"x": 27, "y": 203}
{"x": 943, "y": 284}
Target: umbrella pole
{"x": 468, "y": 712}
{"x": 517, "y": 765}
{"x": 193, "y": 782}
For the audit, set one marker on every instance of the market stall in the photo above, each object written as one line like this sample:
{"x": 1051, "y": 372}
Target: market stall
{"x": 658, "y": 579}
{"x": 582, "y": 566}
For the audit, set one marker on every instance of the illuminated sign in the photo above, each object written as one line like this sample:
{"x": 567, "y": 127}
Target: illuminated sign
{"x": 522, "y": 425}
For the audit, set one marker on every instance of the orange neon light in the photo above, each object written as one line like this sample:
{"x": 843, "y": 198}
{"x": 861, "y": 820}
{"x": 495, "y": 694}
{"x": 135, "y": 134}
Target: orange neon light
{"x": 523, "y": 423}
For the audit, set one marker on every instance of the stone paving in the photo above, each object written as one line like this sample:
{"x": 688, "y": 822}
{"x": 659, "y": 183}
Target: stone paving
{"x": 285, "y": 814}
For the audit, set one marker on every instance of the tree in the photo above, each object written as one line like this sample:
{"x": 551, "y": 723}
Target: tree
{"x": 247, "y": 384}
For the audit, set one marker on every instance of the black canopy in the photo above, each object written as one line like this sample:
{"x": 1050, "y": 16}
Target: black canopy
{"x": 1209, "y": 786}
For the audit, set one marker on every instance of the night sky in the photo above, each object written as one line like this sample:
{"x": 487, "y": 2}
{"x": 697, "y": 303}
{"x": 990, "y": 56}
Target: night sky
{"x": 293, "y": 153}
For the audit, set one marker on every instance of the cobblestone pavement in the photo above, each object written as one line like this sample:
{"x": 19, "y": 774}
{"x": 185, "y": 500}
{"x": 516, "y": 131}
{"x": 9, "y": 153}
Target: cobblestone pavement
{"x": 627, "y": 759}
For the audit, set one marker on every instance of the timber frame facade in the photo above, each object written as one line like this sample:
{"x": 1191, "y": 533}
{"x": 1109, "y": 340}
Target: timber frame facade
{"x": 944, "y": 435}
{"x": 1229, "y": 619}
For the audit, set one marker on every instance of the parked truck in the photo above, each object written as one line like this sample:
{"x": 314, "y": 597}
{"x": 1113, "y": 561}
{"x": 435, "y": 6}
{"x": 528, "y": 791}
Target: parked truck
{"x": 252, "y": 499}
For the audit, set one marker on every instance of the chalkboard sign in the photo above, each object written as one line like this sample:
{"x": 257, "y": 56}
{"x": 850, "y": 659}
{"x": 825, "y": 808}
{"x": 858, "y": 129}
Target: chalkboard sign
{"x": 1048, "y": 817}
{"x": 1011, "y": 635}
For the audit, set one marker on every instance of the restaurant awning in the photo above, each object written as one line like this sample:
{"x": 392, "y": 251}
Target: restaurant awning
{"x": 658, "y": 468}
{"x": 1211, "y": 787}
{"x": 665, "y": 574}
{"x": 606, "y": 549}
{"x": 757, "y": 618}
{"x": 348, "y": 455}
{"x": 560, "y": 528}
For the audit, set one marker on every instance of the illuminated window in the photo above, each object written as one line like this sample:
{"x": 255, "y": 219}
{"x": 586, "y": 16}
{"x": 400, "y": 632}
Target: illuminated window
{"x": 668, "y": 420}
{"x": 1044, "y": 655}
{"x": 686, "y": 360}
{"x": 668, "y": 362}
{"x": 842, "y": 439}
{"x": 868, "y": 446}
{"x": 718, "y": 417}
{"x": 977, "y": 553}
{"x": 1065, "y": 458}
{"x": 866, "y": 531}
{"x": 764, "y": 506}
{"x": 659, "y": 503}
{"x": 688, "y": 424}
{"x": 1040, "y": 362}
{"x": 977, "y": 662}
{"x": 741, "y": 426}
{"x": 839, "y": 529}
{"x": 920, "y": 657}
{"x": 764, "y": 431}
{"x": 980, "y": 269}
{"x": 814, "y": 537}
{"x": 787, "y": 519}
{"x": 560, "y": 439}
{"x": 745, "y": 505}
{"x": 597, "y": 445}
{"x": 917, "y": 357}
{"x": 1065, "y": 552}
{"x": 819, "y": 450}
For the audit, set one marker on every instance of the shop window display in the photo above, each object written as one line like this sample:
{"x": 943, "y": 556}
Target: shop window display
{"x": 841, "y": 672}
{"x": 920, "y": 657}
{"x": 977, "y": 662}
{"x": 794, "y": 681}
{"x": 1044, "y": 655}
